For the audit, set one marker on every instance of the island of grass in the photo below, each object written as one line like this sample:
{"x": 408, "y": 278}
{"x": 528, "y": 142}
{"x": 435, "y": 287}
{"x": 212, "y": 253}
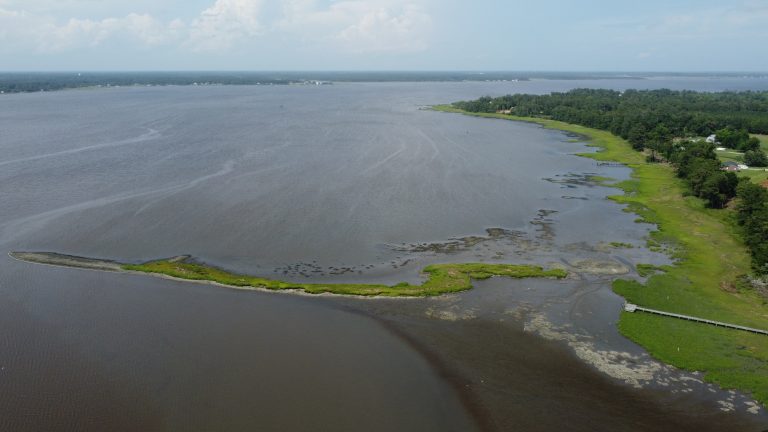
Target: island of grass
{"x": 441, "y": 278}
{"x": 710, "y": 260}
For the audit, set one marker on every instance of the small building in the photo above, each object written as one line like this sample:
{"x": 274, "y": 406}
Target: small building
{"x": 730, "y": 166}
{"x": 712, "y": 139}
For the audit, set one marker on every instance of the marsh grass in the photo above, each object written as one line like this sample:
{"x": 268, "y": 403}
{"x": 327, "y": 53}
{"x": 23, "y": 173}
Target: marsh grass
{"x": 645, "y": 270}
{"x": 441, "y": 278}
{"x": 709, "y": 259}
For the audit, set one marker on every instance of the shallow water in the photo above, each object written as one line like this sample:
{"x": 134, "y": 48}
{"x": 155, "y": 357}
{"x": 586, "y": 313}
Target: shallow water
{"x": 343, "y": 182}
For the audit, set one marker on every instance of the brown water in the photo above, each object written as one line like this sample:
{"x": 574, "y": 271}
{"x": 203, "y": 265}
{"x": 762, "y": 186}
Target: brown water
{"x": 343, "y": 182}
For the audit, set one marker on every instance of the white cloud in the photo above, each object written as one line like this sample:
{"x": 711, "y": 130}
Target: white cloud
{"x": 738, "y": 20}
{"x": 21, "y": 30}
{"x": 386, "y": 30}
{"x": 224, "y": 23}
{"x": 356, "y": 26}
{"x": 360, "y": 25}
{"x": 75, "y": 33}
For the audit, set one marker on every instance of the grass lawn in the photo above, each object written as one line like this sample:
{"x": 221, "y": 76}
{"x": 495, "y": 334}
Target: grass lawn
{"x": 729, "y": 155}
{"x": 757, "y": 175}
{"x": 763, "y": 141}
{"x": 703, "y": 282}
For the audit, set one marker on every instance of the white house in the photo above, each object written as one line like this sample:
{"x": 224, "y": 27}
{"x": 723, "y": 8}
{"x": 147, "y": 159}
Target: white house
{"x": 712, "y": 139}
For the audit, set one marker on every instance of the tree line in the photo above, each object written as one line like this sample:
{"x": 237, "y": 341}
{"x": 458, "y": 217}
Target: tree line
{"x": 45, "y": 81}
{"x": 642, "y": 117}
{"x": 659, "y": 122}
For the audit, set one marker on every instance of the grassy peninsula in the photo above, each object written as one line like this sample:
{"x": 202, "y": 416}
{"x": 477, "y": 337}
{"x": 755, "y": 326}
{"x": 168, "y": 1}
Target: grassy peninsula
{"x": 441, "y": 278}
{"x": 710, "y": 259}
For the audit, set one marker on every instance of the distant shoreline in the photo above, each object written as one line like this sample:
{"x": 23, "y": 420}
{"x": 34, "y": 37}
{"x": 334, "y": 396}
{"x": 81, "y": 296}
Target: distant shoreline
{"x": 36, "y": 82}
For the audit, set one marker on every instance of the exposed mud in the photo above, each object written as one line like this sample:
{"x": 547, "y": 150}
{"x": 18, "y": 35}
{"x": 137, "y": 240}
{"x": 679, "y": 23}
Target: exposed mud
{"x": 63, "y": 260}
{"x": 594, "y": 266}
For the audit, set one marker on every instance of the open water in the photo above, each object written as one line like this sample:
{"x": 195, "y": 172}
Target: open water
{"x": 349, "y": 182}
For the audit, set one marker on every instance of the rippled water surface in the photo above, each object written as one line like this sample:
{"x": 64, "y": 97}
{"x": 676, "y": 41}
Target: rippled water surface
{"x": 342, "y": 182}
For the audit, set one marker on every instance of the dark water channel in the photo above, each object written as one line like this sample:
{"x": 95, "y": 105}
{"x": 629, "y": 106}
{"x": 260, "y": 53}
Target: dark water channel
{"x": 347, "y": 182}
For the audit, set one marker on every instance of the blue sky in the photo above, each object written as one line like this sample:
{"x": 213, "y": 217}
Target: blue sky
{"x": 549, "y": 35}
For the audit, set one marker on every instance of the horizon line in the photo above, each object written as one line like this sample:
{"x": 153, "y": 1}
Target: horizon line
{"x": 475, "y": 71}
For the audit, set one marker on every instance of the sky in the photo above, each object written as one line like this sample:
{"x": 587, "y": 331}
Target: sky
{"x": 511, "y": 35}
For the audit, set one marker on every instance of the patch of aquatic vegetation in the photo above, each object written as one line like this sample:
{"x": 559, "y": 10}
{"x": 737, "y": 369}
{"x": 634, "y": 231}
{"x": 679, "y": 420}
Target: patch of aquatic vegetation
{"x": 545, "y": 225}
{"x": 573, "y": 180}
{"x": 441, "y": 278}
{"x": 600, "y": 180}
{"x": 460, "y": 244}
{"x": 621, "y": 245}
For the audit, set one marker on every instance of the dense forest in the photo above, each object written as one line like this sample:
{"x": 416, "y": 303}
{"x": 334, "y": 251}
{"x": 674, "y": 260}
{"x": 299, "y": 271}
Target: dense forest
{"x": 668, "y": 126}
{"x": 640, "y": 116}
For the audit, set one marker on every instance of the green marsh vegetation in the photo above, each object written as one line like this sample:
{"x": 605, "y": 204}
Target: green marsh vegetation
{"x": 710, "y": 261}
{"x": 645, "y": 270}
{"x": 441, "y": 278}
{"x": 621, "y": 245}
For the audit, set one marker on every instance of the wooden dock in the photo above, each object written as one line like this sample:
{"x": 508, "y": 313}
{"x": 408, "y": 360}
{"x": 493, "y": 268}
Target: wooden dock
{"x": 629, "y": 307}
